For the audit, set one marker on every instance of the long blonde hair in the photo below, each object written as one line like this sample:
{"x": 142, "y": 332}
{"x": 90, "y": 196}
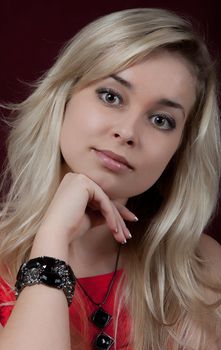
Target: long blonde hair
{"x": 165, "y": 273}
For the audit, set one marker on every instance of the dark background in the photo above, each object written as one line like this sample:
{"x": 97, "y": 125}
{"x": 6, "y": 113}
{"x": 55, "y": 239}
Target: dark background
{"x": 33, "y": 32}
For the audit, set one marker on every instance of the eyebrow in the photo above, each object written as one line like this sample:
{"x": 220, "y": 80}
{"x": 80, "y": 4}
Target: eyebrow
{"x": 162, "y": 102}
{"x": 122, "y": 81}
{"x": 170, "y": 103}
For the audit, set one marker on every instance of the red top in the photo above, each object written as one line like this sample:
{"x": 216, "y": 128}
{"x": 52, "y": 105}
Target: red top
{"x": 96, "y": 287}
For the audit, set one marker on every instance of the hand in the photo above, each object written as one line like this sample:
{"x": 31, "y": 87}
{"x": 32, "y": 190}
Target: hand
{"x": 80, "y": 204}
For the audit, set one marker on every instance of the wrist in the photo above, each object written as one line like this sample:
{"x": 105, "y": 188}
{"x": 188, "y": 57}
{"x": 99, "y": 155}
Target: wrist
{"x": 48, "y": 243}
{"x": 48, "y": 271}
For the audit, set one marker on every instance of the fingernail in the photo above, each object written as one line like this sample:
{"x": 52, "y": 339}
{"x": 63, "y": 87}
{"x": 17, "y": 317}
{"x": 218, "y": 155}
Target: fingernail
{"x": 124, "y": 242}
{"x": 130, "y": 236}
{"x": 136, "y": 218}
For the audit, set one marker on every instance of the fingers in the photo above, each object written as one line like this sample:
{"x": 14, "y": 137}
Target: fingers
{"x": 99, "y": 200}
{"x": 114, "y": 214}
{"x": 123, "y": 233}
{"x": 125, "y": 212}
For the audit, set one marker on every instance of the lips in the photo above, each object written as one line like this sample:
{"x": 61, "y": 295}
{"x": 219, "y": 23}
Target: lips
{"x": 116, "y": 157}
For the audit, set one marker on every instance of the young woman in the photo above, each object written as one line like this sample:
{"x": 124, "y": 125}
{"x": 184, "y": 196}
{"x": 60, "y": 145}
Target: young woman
{"x": 114, "y": 165}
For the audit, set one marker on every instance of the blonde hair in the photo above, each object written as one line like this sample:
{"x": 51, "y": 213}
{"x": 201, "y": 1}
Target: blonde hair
{"x": 165, "y": 273}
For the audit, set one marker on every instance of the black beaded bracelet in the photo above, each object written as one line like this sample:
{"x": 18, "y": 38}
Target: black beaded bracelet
{"x": 48, "y": 271}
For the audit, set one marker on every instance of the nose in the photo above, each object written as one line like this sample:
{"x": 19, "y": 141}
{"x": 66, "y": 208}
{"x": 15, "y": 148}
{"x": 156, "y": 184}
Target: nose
{"x": 126, "y": 132}
{"x": 124, "y": 138}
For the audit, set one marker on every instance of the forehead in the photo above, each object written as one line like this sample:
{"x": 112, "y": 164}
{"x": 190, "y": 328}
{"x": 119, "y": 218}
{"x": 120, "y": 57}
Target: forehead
{"x": 162, "y": 75}
{"x": 161, "y": 64}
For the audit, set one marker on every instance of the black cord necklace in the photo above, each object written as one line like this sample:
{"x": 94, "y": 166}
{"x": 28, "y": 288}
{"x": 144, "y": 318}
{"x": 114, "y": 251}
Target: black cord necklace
{"x": 100, "y": 317}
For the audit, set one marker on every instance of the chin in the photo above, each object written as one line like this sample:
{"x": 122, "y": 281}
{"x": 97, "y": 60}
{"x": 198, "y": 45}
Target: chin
{"x": 111, "y": 190}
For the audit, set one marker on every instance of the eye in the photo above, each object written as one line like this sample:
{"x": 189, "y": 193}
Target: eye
{"x": 163, "y": 121}
{"x": 109, "y": 96}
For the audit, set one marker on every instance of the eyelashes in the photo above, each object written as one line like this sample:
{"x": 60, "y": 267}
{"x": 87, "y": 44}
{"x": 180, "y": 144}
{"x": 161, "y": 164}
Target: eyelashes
{"x": 112, "y": 98}
{"x": 163, "y": 121}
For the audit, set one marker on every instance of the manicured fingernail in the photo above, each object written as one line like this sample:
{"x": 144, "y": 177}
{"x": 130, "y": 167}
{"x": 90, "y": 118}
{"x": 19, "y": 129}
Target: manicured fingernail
{"x": 136, "y": 218}
{"x": 129, "y": 235}
{"x": 124, "y": 242}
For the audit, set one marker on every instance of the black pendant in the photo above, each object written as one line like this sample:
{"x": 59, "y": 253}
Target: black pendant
{"x": 101, "y": 318}
{"x": 103, "y": 342}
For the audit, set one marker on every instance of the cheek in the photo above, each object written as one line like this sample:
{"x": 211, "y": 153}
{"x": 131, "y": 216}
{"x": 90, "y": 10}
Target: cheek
{"x": 84, "y": 121}
{"x": 156, "y": 160}
{"x": 160, "y": 150}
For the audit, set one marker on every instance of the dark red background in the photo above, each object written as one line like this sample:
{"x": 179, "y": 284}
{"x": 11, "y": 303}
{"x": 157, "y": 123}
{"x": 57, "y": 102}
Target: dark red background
{"x": 32, "y": 33}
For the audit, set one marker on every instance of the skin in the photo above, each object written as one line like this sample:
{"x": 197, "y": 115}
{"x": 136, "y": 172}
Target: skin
{"x": 128, "y": 127}
{"x": 79, "y": 226}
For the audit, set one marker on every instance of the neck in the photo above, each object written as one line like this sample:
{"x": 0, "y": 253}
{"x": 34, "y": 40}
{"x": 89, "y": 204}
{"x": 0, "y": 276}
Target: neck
{"x": 94, "y": 253}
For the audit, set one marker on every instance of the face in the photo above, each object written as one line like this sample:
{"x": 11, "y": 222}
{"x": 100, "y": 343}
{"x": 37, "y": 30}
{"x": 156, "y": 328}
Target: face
{"x": 137, "y": 114}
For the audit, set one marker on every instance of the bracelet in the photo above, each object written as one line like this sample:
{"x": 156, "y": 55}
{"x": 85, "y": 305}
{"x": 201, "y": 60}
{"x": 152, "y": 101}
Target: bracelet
{"x": 49, "y": 271}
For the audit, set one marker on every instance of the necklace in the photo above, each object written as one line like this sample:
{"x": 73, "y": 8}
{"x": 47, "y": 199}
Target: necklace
{"x": 100, "y": 318}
